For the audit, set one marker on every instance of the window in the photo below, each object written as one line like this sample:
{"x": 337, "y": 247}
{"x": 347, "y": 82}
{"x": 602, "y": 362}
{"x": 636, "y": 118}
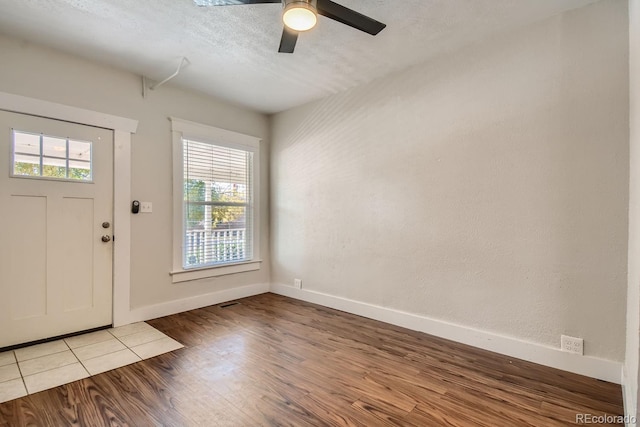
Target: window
{"x": 218, "y": 198}
{"x": 215, "y": 182}
{"x": 50, "y": 157}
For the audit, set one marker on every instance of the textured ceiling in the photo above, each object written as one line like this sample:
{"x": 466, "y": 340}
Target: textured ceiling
{"x": 233, "y": 50}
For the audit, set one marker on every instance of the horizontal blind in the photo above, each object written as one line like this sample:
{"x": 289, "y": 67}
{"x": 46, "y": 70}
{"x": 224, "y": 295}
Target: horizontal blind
{"x": 218, "y": 204}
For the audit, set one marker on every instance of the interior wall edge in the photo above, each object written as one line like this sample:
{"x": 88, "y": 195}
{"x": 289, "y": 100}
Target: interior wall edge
{"x": 632, "y": 350}
{"x": 602, "y": 369}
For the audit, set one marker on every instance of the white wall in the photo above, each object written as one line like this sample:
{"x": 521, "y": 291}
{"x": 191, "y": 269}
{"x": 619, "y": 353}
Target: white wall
{"x": 633, "y": 291}
{"x": 51, "y": 75}
{"x": 487, "y": 188}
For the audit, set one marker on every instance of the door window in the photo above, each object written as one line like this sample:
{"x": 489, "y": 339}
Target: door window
{"x": 50, "y": 157}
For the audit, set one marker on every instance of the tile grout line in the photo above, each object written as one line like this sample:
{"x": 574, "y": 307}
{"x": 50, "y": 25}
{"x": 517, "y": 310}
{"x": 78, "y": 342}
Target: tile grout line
{"x": 100, "y": 355}
{"x": 24, "y": 384}
{"x": 44, "y": 355}
{"x": 131, "y": 348}
{"x": 77, "y": 358}
{"x": 47, "y": 370}
{"x": 126, "y": 346}
{"x": 99, "y": 342}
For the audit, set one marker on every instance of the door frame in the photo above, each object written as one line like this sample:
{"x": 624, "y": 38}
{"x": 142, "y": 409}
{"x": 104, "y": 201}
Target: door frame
{"x": 123, "y": 128}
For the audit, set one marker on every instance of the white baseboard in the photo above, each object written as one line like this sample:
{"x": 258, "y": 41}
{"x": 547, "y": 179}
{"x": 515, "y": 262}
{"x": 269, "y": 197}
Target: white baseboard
{"x": 178, "y": 306}
{"x": 628, "y": 400}
{"x": 594, "y": 367}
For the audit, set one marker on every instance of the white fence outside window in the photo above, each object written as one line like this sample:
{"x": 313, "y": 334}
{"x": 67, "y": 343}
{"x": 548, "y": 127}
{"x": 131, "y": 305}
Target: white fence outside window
{"x": 214, "y": 246}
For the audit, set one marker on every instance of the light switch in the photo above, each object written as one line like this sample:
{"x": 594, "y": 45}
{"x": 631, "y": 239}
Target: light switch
{"x": 146, "y": 207}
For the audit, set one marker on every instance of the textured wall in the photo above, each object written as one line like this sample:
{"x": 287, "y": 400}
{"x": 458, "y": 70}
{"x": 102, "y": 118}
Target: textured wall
{"x": 633, "y": 291}
{"x": 50, "y": 75}
{"x": 486, "y": 188}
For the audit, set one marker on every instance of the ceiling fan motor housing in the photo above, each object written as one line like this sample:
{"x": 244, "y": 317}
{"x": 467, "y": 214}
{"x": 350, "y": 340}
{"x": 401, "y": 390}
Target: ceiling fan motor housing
{"x": 300, "y": 15}
{"x": 307, "y": 4}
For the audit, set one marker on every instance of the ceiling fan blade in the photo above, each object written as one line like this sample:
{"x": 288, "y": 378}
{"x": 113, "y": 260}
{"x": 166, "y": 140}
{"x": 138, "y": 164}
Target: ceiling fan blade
{"x": 232, "y": 2}
{"x": 349, "y": 17}
{"x": 288, "y": 40}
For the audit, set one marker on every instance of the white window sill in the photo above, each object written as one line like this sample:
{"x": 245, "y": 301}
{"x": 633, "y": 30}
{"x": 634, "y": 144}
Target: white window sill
{"x": 179, "y": 276}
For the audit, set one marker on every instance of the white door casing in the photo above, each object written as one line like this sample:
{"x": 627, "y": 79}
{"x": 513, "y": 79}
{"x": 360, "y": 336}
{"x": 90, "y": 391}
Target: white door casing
{"x": 123, "y": 128}
{"x": 55, "y": 271}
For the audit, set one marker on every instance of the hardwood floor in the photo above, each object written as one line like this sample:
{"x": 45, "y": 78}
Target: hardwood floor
{"x": 271, "y": 360}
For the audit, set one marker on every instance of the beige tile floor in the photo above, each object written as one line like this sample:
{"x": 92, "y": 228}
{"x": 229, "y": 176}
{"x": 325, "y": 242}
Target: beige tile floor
{"x": 40, "y": 367}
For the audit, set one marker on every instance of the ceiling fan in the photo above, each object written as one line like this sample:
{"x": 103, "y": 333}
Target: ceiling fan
{"x": 302, "y": 15}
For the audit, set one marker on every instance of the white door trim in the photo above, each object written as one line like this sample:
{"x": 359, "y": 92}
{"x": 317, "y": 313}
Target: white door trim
{"x": 122, "y": 128}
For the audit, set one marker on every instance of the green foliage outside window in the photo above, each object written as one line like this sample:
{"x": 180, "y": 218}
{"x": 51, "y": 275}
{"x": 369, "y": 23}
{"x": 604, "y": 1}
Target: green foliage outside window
{"x": 31, "y": 169}
{"x": 194, "y": 191}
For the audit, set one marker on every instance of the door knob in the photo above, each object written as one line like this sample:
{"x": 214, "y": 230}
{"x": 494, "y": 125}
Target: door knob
{"x": 106, "y": 225}
{"x": 106, "y": 238}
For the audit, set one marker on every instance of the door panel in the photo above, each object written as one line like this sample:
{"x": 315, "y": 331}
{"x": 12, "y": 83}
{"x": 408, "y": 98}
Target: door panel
{"x": 55, "y": 271}
{"x": 28, "y": 234}
{"x": 77, "y": 262}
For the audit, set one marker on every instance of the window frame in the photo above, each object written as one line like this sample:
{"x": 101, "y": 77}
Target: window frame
{"x": 184, "y": 129}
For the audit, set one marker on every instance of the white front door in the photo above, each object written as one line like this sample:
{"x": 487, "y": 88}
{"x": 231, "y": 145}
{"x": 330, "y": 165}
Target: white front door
{"x": 56, "y": 205}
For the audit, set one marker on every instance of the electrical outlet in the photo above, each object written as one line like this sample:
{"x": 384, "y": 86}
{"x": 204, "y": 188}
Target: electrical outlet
{"x": 572, "y": 344}
{"x": 297, "y": 283}
{"x": 146, "y": 207}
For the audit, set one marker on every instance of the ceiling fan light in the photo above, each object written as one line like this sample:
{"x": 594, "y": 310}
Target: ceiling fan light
{"x": 299, "y": 16}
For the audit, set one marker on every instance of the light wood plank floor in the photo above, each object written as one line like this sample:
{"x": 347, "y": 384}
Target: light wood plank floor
{"x": 271, "y": 360}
